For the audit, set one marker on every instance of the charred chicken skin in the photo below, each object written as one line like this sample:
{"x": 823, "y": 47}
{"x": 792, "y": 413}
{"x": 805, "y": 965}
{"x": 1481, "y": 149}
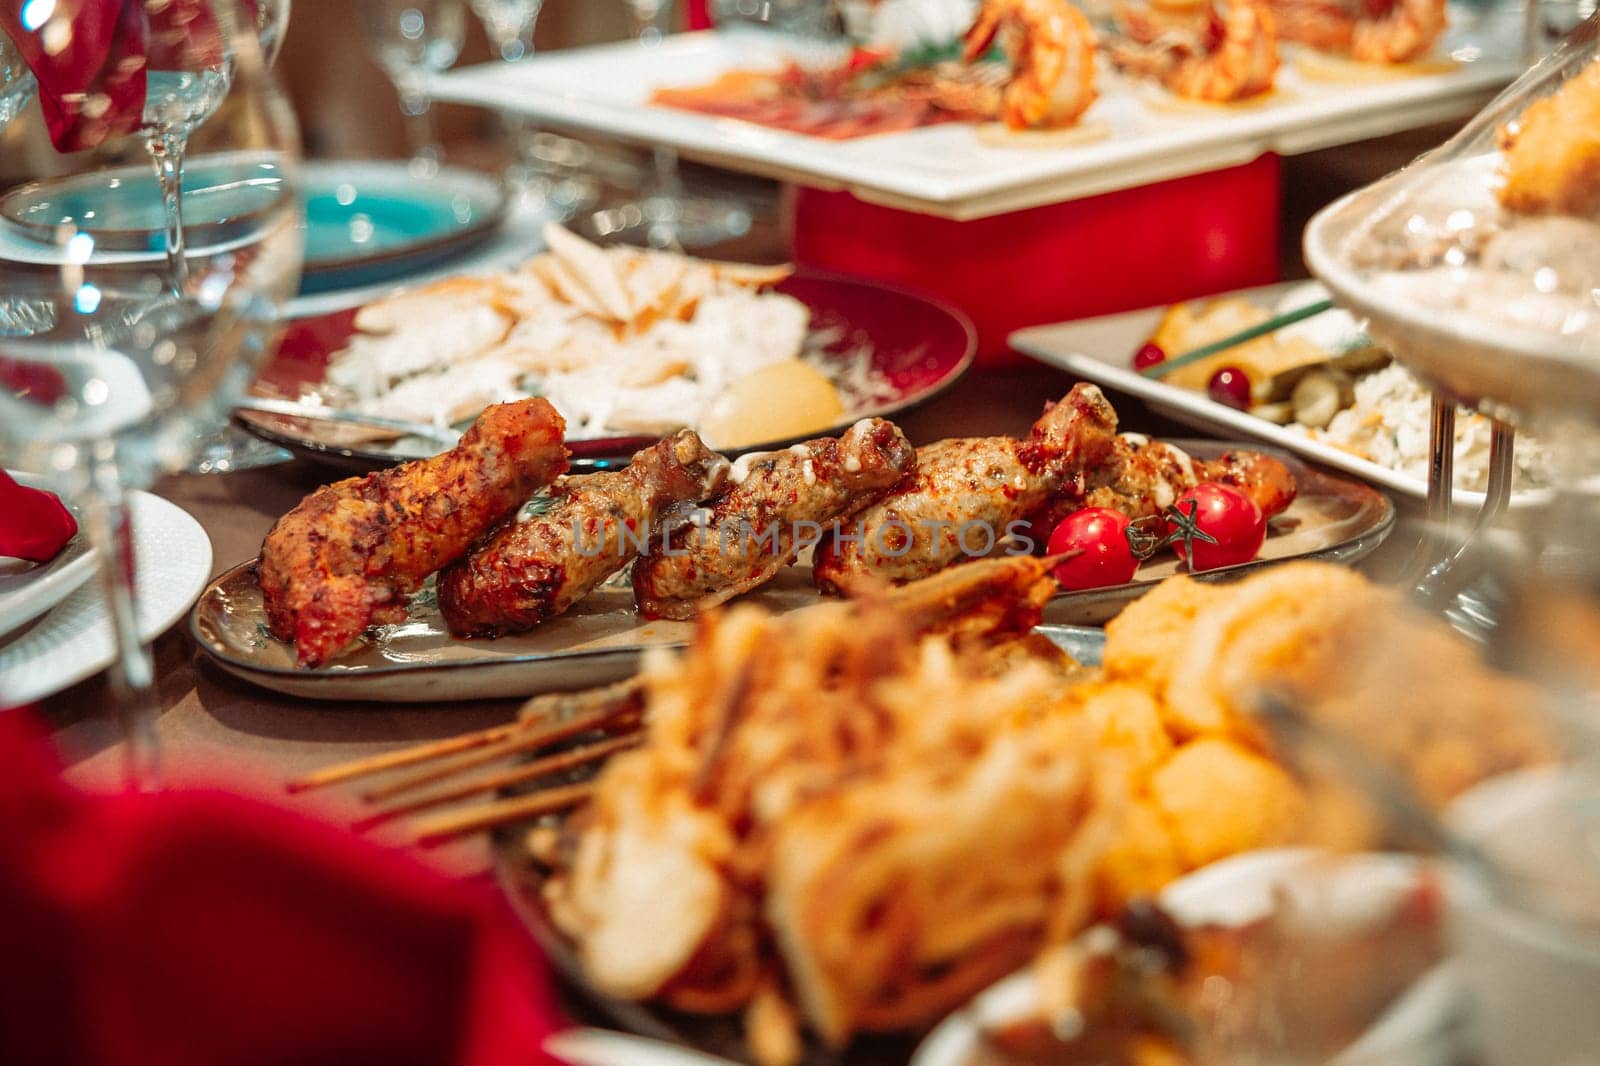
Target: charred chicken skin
{"x": 530, "y": 571}
{"x": 349, "y": 555}
{"x": 756, "y": 528}
{"x": 967, "y": 494}
{"x": 1142, "y": 477}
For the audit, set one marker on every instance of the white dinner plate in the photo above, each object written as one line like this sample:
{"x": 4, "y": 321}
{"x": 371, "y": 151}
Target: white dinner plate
{"x": 73, "y": 641}
{"x": 27, "y": 590}
{"x": 950, "y": 170}
{"x": 1101, "y": 350}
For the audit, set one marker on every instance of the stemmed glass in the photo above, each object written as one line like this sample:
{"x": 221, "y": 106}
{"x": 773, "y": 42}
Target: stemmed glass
{"x": 109, "y": 373}
{"x": 412, "y": 40}
{"x": 666, "y": 217}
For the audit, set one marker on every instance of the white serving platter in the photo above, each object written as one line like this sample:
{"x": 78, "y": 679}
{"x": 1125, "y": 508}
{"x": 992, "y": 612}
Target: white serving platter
{"x": 1100, "y": 350}
{"x": 948, "y": 170}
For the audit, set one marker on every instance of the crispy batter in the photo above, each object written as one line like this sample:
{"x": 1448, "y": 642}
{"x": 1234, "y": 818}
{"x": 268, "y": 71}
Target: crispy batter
{"x": 351, "y": 552}
{"x": 840, "y": 819}
{"x": 1552, "y": 151}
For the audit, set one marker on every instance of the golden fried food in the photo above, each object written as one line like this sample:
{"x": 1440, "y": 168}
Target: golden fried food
{"x": 1552, "y": 151}
{"x": 841, "y": 819}
{"x": 351, "y": 552}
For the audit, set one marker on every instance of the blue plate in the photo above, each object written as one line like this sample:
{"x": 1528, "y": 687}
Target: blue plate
{"x": 370, "y": 221}
{"x": 367, "y": 221}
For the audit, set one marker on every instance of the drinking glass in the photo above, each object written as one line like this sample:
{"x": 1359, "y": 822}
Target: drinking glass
{"x": 666, "y": 216}
{"x": 413, "y": 40}
{"x": 112, "y": 367}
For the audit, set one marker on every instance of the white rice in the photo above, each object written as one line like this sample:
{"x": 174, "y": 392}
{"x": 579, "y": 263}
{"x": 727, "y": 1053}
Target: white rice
{"x": 1389, "y": 425}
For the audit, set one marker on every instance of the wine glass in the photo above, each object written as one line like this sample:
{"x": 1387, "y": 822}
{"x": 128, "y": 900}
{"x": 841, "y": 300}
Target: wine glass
{"x": 272, "y": 25}
{"x": 666, "y": 216}
{"x": 109, "y": 374}
{"x": 412, "y": 40}
{"x": 16, "y": 82}
{"x": 509, "y": 24}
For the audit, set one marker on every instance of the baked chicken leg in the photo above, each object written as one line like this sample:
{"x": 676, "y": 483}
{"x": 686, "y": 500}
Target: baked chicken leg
{"x": 965, "y": 494}
{"x": 351, "y": 552}
{"x": 530, "y": 571}
{"x": 756, "y": 528}
{"x": 1142, "y": 477}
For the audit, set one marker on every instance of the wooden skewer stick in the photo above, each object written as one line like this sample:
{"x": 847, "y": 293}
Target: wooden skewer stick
{"x": 394, "y": 760}
{"x": 551, "y": 764}
{"x": 449, "y": 825}
{"x": 521, "y": 740}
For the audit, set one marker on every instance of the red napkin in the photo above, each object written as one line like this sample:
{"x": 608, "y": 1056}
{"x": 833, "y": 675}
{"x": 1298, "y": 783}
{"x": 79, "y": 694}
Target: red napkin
{"x": 34, "y": 524}
{"x": 196, "y": 928}
{"x": 90, "y": 56}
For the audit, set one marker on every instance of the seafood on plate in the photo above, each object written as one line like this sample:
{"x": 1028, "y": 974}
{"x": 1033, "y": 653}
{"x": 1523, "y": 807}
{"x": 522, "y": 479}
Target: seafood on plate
{"x": 847, "y": 819}
{"x": 620, "y": 340}
{"x": 964, "y": 491}
{"x": 527, "y": 571}
{"x": 1229, "y": 55}
{"x": 1052, "y": 50}
{"x": 758, "y": 526}
{"x": 350, "y": 554}
{"x": 1043, "y": 78}
{"x": 1369, "y": 31}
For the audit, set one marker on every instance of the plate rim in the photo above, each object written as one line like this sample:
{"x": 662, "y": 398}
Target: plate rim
{"x": 197, "y": 564}
{"x": 500, "y": 201}
{"x": 61, "y": 583}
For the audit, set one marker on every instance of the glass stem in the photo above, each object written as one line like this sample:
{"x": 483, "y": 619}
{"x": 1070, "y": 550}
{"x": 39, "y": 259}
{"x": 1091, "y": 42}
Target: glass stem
{"x": 166, "y": 152}
{"x": 424, "y": 134}
{"x": 132, "y": 671}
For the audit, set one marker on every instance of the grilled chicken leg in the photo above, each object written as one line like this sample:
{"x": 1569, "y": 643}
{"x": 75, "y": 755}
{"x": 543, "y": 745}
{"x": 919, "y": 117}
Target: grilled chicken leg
{"x": 965, "y": 494}
{"x": 528, "y": 572}
{"x": 755, "y": 528}
{"x": 351, "y": 552}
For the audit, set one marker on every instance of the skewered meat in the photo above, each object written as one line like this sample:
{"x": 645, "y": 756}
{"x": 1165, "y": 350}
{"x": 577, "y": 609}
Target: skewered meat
{"x": 351, "y": 552}
{"x": 528, "y": 572}
{"x": 968, "y": 493}
{"x": 754, "y": 529}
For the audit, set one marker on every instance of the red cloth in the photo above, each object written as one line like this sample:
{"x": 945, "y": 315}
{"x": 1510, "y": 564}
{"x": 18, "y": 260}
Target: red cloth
{"x": 34, "y": 525}
{"x": 197, "y": 928}
{"x": 90, "y": 57}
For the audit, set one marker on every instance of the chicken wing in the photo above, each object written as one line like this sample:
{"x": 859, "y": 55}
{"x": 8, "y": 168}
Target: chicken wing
{"x": 757, "y": 527}
{"x": 966, "y": 495}
{"x": 351, "y": 552}
{"x": 530, "y": 571}
{"x": 1142, "y": 477}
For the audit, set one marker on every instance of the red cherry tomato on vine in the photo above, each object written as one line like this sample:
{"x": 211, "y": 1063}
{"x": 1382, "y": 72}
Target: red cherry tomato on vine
{"x": 1226, "y": 514}
{"x": 1102, "y": 535}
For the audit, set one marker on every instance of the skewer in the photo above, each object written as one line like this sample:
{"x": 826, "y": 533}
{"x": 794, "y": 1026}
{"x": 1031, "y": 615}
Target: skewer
{"x": 566, "y": 760}
{"x": 449, "y": 825}
{"x": 524, "y": 739}
{"x": 394, "y": 760}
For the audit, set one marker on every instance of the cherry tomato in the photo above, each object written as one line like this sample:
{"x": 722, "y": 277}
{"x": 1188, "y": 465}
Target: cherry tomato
{"x": 1148, "y": 356}
{"x": 1229, "y": 516}
{"x": 1102, "y": 535}
{"x": 1231, "y": 386}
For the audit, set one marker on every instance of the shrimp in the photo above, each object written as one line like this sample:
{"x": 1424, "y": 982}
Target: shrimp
{"x": 1236, "y": 57}
{"x": 1374, "y": 31}
{"x": 1052, "y": 50}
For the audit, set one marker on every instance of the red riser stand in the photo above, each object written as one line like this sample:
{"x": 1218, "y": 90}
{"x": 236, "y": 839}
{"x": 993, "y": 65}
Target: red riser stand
{"x": 1120, "y": 251}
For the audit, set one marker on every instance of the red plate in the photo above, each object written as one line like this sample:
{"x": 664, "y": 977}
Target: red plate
{"x": 919, "y": 345}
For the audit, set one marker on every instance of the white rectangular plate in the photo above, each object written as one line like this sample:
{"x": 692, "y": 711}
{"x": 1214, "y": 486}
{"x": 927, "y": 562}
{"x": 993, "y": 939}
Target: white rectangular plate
{"x": 947, "y": 170}
{"x": 1101, "y": 350}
